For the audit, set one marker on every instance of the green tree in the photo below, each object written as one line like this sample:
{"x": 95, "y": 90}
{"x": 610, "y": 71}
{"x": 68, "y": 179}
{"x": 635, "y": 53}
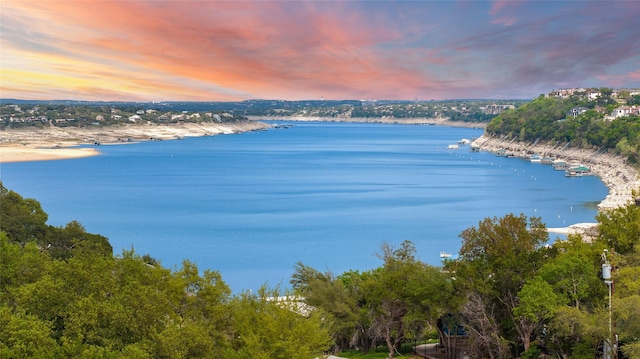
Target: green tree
{"x": 536, "y": 304}
{"x": 20, "y": 265}
{"x": 575, "y": 277}
{"x": 627, "y": 317}
{"x": 626, "y": 301}
{"x": 405, "y": 294}
{"x": 338, "y": 299}
{"x": 22, "y": 219}
{"x": 574, "y": 333}
{"x": 270, "y": 325}
{"x": 61, "y": 241}
{"x": 496, "y": 260}
{"x": 620, "y": 227}
{"x": 24, "y": 336}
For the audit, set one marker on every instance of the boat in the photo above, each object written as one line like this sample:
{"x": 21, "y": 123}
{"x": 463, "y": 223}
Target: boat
{"x": 475, "y": 148}
{"x": 445, "y": 256}
{"x": 560, "y": 165}
{"x": 546, "y": 160}
{"x": 535, "y": 158}
{"x": 501, "y": 152}
{"x": 453, "y": 147}
{"x": 464, "y": 141}
{"x": 577, "y": 171}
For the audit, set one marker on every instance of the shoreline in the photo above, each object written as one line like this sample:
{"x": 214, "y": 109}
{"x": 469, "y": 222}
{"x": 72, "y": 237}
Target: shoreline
{"x": 60, "y": 143}
{"x": 618, "y": 176}
{"x": 427, "y": 121}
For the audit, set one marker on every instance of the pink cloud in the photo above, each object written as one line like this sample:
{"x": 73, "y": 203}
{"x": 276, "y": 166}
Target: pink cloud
{"x": 505, "y": 12}
{"x": 221, "y": 50}
{"x": 499, "y": 6}
{"x": 504, "y": 21}
{"x": 234, "y": 47}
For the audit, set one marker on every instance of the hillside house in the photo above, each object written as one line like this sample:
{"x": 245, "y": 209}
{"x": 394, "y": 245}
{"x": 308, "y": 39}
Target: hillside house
{"x": 592, "y": 95}
{"x": 495, "y": 109}
{"x": 621, "y": 111}
{"x": 577, "y": 111}
{"x": 566, "y": 93}
{"x": 624, "y": 111}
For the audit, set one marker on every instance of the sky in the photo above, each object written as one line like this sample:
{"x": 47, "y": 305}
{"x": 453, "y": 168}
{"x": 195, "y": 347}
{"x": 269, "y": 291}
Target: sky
{"x": 200, "y": 50}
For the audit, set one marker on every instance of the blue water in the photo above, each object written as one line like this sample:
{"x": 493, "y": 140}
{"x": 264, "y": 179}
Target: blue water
{"x": 326, "y": 194}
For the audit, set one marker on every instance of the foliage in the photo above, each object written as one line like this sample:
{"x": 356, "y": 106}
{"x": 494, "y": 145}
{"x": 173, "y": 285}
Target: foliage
{"x": 399, "y": 301}
{"x": 574, "y": 272}
{"x": 24, "y": 221}
{"x": 548, "y": 119}
{"x": 560, "y": 306}
{"x": 496, "y": 259}
{"x": 270, "y": 325}
{"x": 620, "y": 227}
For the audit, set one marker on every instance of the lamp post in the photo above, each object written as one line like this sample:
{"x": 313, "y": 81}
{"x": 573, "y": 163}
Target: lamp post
{"x": 610, "y": 349}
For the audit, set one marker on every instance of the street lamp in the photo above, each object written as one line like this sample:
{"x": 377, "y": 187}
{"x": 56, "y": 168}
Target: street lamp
{"x": 610, "y": 347}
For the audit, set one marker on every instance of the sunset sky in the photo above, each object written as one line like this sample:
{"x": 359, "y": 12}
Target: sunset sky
{"x": 153, "y": 50}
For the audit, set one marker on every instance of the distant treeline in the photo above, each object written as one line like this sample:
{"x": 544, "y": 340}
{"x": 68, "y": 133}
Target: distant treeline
{"x": 29, "y": 113}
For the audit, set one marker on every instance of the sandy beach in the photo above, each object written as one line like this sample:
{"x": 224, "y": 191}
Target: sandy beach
{"x": 57, "y": 143}
{"x": 26, "y": 153}
{"x": 614, "y": 171}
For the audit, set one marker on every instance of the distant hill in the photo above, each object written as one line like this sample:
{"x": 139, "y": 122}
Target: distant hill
{"x": 599, "y": 119}
{"x": 473, "y": 110}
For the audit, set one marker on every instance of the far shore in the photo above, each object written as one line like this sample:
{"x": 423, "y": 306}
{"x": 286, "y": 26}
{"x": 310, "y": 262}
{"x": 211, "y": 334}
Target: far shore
{"x": 438, "y": 121}
{"x": 59, "y": 143}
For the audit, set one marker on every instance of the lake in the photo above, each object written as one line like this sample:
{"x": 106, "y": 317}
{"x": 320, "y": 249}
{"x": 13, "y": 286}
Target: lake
{"x": 327, "y": 194}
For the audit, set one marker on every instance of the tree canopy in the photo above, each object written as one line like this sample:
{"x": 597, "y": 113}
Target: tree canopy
{"x": 549, "y": 119}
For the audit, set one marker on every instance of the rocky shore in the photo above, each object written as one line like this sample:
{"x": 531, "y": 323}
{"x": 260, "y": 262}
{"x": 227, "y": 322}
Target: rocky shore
{"x": 615, "y": 172}
{"x": 50, "y": 143}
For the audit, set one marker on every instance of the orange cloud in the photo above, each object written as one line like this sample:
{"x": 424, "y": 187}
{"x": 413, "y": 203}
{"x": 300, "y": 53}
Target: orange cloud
{"x": 243, "y": 47}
